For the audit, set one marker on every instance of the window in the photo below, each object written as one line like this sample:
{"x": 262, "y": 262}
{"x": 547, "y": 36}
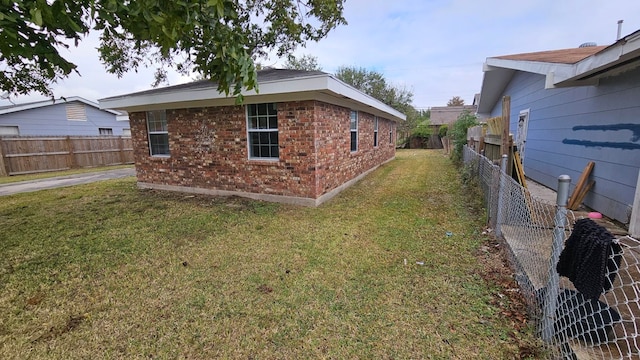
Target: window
{"x": 158, "y": 133}
{"x": 521, "y": 134}
{"x": 126, "y": 132}
{"x": 262, "y": 129}
{"x": 9, "y": 130}
{"x": 390, "y": 134}
{"x": 76, "y": 112}
{"x": 375, "y": 131}
{"x": 105, "y": 131}
{"x": 354, "y": 130}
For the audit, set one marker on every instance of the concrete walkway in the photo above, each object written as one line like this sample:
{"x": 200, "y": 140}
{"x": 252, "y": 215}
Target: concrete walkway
{"x": 62, "y": 181}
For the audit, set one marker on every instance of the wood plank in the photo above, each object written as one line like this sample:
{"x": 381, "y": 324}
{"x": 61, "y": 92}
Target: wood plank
{"x": 95, "y": 151}
{"x": 506, "y": 111}
{"x": 581, "y": 183}
{"x": 634, "y": 222}
{"x": 580, "y": 196}
{"x": 37, "y": 154}
{"x": 3, "y": 169}
{"x": 519, "y": 169}
{"x": 493, "y": 139}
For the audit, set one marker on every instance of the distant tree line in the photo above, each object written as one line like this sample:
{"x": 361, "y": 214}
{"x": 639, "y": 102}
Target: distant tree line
{"x": 374, "y": 83}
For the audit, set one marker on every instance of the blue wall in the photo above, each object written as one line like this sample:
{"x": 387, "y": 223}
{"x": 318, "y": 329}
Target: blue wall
{"x": 571, "y": 126}
{"x": 52, "y": 120}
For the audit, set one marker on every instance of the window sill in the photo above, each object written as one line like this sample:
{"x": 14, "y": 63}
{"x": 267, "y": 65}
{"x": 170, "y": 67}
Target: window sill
{"x": 265, "y": 161}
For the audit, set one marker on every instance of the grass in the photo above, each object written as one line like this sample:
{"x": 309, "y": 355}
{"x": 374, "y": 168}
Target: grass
{"x": 46, "y": 175}
{"x": 108, "y": 270}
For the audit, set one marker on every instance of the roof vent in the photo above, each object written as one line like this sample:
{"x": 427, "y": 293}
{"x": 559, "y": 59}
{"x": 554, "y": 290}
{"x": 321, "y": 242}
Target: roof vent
{"x": 588, "y": 44}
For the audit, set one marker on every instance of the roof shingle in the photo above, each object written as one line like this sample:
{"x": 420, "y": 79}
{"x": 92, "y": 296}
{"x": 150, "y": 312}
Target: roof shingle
{"x": 564, "y": 56}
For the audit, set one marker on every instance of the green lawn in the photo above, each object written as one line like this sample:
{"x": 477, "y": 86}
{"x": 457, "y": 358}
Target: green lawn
{"x": 106, "y": 270}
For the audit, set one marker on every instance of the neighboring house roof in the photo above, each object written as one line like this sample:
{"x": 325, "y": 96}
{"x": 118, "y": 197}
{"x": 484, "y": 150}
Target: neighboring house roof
{"x": 441, "y": 115}
{"x": 562, "y": 68}
{"x": 273, "y": 85}
{"x": 565, "y": 56}
{"x": 38, "y": 104}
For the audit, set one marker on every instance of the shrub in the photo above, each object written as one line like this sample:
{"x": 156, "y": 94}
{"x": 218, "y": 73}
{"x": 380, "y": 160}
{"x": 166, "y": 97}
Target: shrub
{"x": 458, "y": 133}
{"x": 443, "y": 130}
{"x": 422, "y": 130}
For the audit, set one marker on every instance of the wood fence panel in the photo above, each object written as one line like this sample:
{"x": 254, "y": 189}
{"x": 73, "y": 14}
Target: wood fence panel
{"x": 24, "y": 155}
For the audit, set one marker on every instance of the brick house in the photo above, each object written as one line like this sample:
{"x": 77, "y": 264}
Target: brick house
{"x": 302, "y": 139}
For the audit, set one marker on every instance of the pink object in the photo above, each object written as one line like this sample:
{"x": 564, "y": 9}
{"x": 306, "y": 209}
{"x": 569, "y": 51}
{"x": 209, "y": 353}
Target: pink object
{"x": 595, "y": 215}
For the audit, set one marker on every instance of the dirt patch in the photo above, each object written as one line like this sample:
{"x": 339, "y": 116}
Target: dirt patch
{"x": 72, "y": 323}
{"x": 506, "y": 296}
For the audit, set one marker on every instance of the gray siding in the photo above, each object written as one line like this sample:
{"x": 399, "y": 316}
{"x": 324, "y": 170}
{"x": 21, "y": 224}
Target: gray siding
{"x": 570, "y": 127}
{"x": 52, "y": 121}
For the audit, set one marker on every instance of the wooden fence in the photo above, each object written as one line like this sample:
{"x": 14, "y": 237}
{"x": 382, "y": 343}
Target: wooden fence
{"x": 28, "y": 155}
{"x": 494, "y": 139}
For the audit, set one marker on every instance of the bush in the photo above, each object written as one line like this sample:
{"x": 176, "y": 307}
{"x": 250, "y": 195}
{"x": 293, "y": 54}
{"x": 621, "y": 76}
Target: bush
{"x": 458, "y": 133}
{"x": 443, "y": 130}
{"x": 422, "y": 130}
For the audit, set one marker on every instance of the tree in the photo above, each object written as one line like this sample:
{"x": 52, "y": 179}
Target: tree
{"x": 423, "y": 124}
{"x": 455, "y": 101}
{"x": 458, "y": 133}
{"x": 219, "y": 39}
{"x": 374, "y": 84}
{"x": 306, "y": 62}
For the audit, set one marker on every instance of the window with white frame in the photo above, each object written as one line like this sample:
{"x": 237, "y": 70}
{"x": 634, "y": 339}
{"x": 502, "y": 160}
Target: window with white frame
{"x": 105, "y": 131}
{"x": 262, "y": 131}
{"x": 354, "y": 130}
{"x": 390, "y": 133}
{"x": 158, "y": 133}
{"x": 9, "y": 130}
{"x": 375, "y": 131}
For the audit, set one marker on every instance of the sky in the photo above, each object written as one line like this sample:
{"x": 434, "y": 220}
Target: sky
{"x": 434, "y": 48}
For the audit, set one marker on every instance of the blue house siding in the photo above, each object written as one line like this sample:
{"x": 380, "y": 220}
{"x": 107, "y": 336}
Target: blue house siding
{"x": 568, "y": 127}
{"x": 52, "y": 121}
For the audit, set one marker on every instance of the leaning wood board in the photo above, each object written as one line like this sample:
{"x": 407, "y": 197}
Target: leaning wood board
{"x": 573, "y": 199}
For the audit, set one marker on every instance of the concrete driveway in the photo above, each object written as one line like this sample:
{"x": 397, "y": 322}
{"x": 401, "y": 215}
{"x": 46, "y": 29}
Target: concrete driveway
{"x": 62, "y": 181}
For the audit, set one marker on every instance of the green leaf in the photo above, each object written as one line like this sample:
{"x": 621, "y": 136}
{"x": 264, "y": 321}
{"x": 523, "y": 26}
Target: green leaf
{"x": 220, "y": 38}
{"x": 220, "y": 8}
{"x": 75, "y": 27}
{"x": 36, "y": 17}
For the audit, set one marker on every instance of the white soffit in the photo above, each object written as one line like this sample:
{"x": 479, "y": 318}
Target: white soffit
{"x": 315, "y": 87}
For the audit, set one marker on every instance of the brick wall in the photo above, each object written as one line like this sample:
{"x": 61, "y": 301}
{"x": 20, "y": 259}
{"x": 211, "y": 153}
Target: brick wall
{"x": 208, "y": 149}
{"x": 336, "y": 163}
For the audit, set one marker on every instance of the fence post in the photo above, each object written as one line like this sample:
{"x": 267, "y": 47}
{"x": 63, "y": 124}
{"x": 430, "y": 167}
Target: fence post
{"x": 72, "y": 156}
{"x": 553, "y": 284}
{"x": 3, "y": 170}
{"x": 501, "y": 188}
{"x": 121, "y": 150}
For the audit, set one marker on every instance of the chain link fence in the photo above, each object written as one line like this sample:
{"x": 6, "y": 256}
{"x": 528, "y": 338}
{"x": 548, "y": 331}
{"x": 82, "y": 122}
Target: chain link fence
{"x": 572, "y": 324}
